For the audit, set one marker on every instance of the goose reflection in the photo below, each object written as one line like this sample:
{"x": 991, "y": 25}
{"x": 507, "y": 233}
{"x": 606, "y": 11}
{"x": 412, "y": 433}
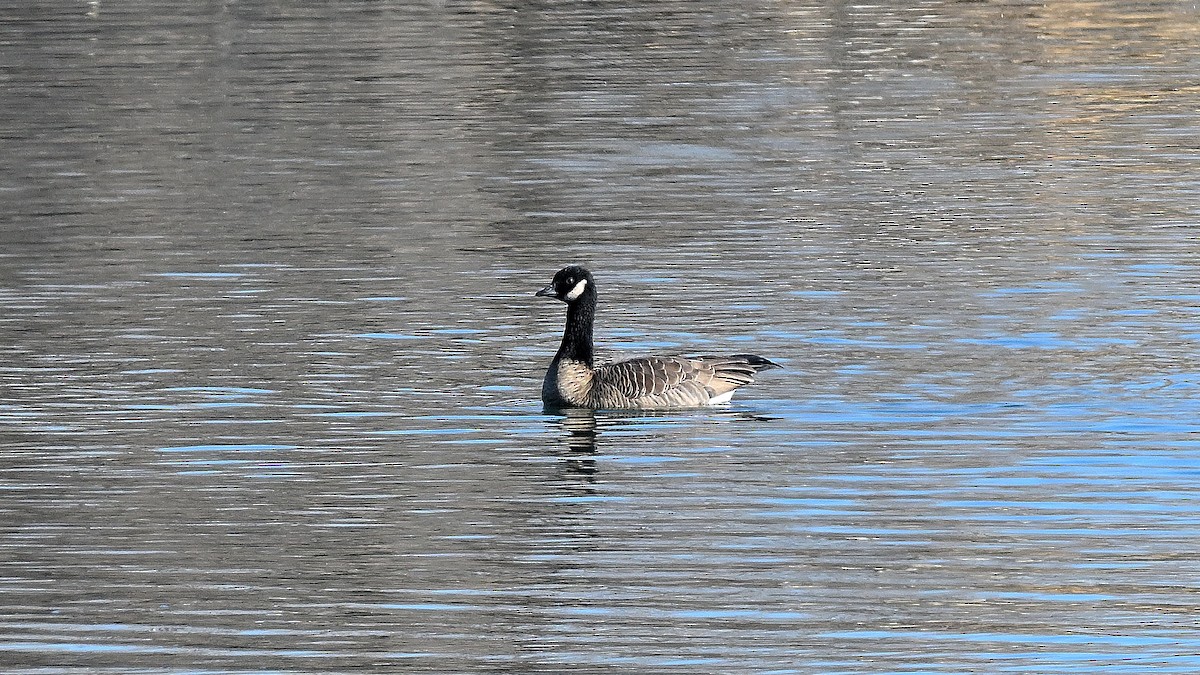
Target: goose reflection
{"x": 580, "y": 424}
{"x": 582, "y": 430}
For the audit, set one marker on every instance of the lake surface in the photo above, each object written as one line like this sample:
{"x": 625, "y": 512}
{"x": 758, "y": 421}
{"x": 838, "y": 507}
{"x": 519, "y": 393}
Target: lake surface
{"x": 270, "y": 357}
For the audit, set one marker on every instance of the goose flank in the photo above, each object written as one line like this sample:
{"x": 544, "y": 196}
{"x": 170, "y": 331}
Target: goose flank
{"x": 645, "y": 383}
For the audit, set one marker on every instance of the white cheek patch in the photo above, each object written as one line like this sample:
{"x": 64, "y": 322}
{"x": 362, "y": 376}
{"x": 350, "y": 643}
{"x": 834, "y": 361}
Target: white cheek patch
{"x": 578, "y": 290}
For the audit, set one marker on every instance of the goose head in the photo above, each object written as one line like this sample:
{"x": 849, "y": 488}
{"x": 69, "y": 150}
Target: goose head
{"x": 570, "y": 284}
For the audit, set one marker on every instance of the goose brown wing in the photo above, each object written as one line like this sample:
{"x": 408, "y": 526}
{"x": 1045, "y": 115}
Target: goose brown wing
{"x": 656, "y": 376}
{"x": 673, "y": 381}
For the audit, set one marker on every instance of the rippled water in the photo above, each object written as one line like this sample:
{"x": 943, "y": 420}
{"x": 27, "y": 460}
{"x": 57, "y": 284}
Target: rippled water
{"x": 271, "y": 359}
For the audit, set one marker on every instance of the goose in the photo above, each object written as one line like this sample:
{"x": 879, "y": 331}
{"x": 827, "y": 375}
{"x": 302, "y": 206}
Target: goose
{"x": 646, "y": 383}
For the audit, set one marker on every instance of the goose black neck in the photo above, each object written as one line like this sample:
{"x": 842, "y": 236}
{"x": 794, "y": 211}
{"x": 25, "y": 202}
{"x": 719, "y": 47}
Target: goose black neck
{"x": 577, "y": 336}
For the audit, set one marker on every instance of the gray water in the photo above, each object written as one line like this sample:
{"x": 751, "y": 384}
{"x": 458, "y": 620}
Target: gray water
{"x": 271, "y": 359}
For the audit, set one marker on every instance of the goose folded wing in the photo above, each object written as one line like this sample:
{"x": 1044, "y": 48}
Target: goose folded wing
{"x": 652, "y": 376}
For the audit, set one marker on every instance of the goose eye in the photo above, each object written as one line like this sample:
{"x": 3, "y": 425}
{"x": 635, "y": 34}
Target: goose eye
{"x": 571, "y": 280}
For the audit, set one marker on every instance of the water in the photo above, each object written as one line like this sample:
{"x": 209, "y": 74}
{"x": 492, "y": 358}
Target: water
{"x": 271, "y": 357}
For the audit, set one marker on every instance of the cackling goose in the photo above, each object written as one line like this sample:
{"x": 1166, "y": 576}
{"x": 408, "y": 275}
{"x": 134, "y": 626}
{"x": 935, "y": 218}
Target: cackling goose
{"x": 646, "y": 383}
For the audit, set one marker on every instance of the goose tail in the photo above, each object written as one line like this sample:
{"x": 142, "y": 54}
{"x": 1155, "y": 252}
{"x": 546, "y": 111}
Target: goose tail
{"x": 750, "y": 364}
{"x": 731, "y": 372}
{"x": 758, "y": 363}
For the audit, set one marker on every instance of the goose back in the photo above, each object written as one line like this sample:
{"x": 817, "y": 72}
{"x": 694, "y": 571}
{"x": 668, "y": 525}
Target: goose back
{"x": 652, "y": 382}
